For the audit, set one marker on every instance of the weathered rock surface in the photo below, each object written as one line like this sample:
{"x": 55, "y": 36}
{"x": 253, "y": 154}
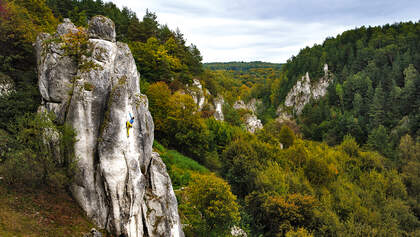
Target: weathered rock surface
{"x": 200, "y": 96}
{"x": 218, "y": 111}
{"x": 303, "y": 92}
{"x": 6, "y": 85}
{"x": 101, "y": 27}
{"x": 197, "y": 93}
{"x": 93, "y": 233}
{"x": 120, "y": 183}
{"x": 252, "y": 122}
{"x": 236, "y": 231}
{"x": 251, "y": 105}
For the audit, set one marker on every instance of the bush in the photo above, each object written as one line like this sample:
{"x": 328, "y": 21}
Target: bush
{"x": 42, "y": 153}
{"x": 300, "y": 232}
{"x": 350, "y": 146}
{"x": 319, "y": 172}
{"x": 209, "y": 207}
{"x": 286, "y": 136}
{"x": 276, "y": 215}
{"x": 231, "y": 115}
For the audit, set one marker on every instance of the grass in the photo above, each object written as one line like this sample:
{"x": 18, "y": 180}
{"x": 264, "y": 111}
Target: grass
{"x": 180, "y": 167}
{"x": 174, "y": 158}
{"x": 40, "y": 213}
{"x": 158, "y": 147}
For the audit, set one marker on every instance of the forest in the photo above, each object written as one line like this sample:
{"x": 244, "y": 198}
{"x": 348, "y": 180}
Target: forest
{"x": 347, "y": 166}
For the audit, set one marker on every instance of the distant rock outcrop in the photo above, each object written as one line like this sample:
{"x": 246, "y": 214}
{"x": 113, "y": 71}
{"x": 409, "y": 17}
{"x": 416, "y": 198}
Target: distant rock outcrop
{"x": 121, "y": 184}
{"x": 201, "y": 96}
{"x": 218, "y": 108}
{"x": 252, "y": 122}
{"x": 6, "y": 85}
{"x": 251, "y": 105}
{"x": 197, "y": 93}
{"x": 302, "y": 93}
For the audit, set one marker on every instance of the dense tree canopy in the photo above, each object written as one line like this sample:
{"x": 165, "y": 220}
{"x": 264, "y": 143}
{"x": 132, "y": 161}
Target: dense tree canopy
{"x": 358, "y": 176}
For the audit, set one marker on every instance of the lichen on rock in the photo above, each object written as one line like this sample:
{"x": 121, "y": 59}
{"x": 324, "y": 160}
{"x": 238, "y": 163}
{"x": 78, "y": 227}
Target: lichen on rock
{"x": 116, "y": 173}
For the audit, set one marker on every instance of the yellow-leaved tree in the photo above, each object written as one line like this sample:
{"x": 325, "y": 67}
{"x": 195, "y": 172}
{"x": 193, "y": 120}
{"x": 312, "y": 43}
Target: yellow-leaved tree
{"x": 208, "y": 207}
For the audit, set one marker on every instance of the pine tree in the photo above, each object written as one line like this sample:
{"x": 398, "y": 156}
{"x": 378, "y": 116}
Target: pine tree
{"x": 357, "y": 104}
{"x": 377, "y": 113}
{"x": 409, "y": 90}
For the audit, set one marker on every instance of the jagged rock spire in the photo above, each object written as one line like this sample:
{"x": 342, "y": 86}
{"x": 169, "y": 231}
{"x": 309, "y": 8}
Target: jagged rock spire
{"x": 120, "y": 184}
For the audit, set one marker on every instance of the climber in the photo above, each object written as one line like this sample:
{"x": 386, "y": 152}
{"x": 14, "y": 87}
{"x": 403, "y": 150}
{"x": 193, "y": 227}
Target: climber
{"x": 129, "y": 124}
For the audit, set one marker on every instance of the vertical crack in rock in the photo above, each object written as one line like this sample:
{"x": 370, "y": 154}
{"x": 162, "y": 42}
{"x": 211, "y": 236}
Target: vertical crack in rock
{"x": 119, "y": 180}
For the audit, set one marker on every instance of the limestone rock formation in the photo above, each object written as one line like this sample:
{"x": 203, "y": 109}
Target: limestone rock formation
{"x": 201, "y": 96}
{"x": 303, "y": 92}
{"x": 251, "y": 105}
{"x": 6, "y": 85}
{"x": 197, "y": 93}
{"x": 93, "y": 233}
{"x": 252, "y": 122}
{"x": 218, "y": 111}
{"x": 121, "y": 184}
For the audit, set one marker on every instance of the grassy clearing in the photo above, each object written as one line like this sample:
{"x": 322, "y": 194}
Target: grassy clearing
{"x": 180, "y": 167}
{"x": 40, "y": 213}
{"x": 173, "y": 157}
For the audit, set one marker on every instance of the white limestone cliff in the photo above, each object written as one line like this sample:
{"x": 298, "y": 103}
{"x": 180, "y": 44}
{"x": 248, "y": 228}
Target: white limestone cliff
{"x": 197, "y": 92}
{"x": 302, "y": 92}
{"x": 218, "y": 111}
{"x": 121, "y": 184}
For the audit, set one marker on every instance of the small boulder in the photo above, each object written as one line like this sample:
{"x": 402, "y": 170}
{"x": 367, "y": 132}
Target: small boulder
{"x": 101, "y": 27}
{"x": 6, "y": 85}
{"x": 66, "y": 27}
{"x": 93, "y": 233}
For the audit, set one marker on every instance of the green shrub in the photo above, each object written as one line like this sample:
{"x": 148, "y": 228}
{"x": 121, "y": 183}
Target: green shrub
{"x": 286, "y": 136}
{"x": 41, "y": 153}
{"x": 350, "y": 146}
{"x": 209, "y": 207}
{"x": 88, "y": 86}
{"x": 300, "y": 232}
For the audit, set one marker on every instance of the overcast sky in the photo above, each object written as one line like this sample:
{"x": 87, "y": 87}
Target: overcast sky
{"x": 268, "y": 30}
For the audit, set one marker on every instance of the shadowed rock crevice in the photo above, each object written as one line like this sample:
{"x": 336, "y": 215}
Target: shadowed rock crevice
{"x": 119, "y": 179}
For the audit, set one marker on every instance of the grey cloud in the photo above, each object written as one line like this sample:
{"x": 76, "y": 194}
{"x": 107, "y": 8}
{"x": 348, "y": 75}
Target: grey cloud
{"x": 270, "y": 30}
{"x": 320, "y": 10}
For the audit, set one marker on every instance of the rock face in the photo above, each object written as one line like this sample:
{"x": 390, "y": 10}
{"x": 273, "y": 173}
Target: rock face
{"x": 6, "y": 85}
{"x": 252, "y": 122}
{"x": 121, "y": 184}
{"x": 218, "y": 111}
{"x": 200, "y": 96}
{"x": 197, "y": 93}
{"x": 303, "y": 92}
{"x": 251, "y": 105}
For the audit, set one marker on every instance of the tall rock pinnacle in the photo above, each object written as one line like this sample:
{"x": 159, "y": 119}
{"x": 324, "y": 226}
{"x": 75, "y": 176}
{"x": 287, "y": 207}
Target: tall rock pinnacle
{"x": 91, "y": 82}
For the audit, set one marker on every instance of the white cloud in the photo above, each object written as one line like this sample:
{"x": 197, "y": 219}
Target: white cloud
{"x": 268, "y": 30}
